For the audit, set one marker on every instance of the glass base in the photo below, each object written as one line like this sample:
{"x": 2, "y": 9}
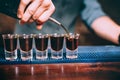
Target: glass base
{"x": 57, "y": 54}
{"x": 42, "y": 54}
{"x": 26, "y": 55}
{"x": 72, "y": 54}
{"x": 11, "y": 55}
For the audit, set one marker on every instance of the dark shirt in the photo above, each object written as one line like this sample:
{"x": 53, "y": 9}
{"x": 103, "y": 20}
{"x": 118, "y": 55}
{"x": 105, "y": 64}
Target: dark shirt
{"x": 9, "y": 7}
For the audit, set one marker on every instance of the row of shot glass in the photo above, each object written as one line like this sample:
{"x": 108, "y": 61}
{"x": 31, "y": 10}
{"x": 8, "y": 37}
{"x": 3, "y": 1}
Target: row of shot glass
{"x": 41, "y": 42}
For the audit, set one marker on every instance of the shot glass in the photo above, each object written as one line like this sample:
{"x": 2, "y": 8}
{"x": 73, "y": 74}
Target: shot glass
{"x": 41, "y": 46}
{"x": 72, "y": 45}
{"x": 26, "y": 45}
{"x": 56, "y": 42}
{"x": 10, "y": 46}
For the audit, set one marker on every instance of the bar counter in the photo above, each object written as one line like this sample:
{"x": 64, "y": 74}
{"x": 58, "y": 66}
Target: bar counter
{"x": 93, "y": 63}
{"x": 70, "y": 71}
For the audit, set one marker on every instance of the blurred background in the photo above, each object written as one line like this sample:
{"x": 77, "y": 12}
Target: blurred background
{"x": 111, "y": 7}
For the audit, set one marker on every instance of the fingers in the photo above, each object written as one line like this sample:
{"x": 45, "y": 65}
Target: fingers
{"x": 31, "y": 10}
{"x": 22, "y": 6}
{"x": 31, "y": 20}
{"x": 35, "y": 10}
{"x": 41, "y": 18}
{"x": 44, "y": 16}
{"x": 44, "y": 6}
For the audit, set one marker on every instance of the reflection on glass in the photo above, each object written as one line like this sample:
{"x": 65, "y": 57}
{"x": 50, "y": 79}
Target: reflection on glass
{"x": 72, "y": 45}
{"x": 10, "y": 46}
{"x": 26, "y": 43}
{"x": 41, "y": 44}
{"x": 57, "y": 41}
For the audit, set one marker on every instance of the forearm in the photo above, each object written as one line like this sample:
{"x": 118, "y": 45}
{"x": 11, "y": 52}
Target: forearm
{"x": 9, "y": 7}
{"x": 106, "y": 28}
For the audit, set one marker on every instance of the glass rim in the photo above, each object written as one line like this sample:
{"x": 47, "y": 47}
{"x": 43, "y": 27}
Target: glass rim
{"x": 41, "y": 35}
{"x": 10, "y": 36}
{"x": 72, "y": 35}
{"x": 25, "y": 35}
{"x": 57, "y": 35}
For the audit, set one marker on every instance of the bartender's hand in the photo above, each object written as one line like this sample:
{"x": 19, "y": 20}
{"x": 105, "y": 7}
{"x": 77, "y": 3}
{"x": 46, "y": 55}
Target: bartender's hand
{"x": 35, "y": 10}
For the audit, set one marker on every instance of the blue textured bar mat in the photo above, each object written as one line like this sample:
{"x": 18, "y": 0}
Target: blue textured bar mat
{"x": 86, "y": 54}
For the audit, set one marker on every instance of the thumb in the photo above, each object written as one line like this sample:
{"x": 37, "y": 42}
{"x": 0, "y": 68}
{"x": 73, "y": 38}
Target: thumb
{"x": 39, "y": 27}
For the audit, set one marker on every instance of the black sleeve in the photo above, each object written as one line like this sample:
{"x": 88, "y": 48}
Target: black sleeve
{"x": 9, "y": 7}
